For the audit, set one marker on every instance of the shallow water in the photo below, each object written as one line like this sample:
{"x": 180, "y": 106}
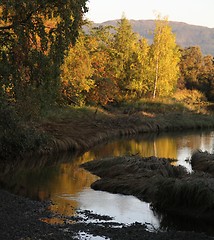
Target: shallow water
{"x": 68, "y": 186}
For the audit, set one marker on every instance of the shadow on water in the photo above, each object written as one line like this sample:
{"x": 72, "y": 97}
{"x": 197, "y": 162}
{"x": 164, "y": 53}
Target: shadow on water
{"x": 59, "y": 179}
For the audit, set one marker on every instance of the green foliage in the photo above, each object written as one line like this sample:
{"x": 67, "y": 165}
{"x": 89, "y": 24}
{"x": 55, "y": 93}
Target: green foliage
{"x": 101, "y": 52}
{"x": 34, "y": 36}
{"x": 126, "y": 58}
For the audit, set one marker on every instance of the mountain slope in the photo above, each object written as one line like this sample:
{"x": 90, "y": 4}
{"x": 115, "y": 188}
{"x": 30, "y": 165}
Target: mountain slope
{"x": 187, "y": 35}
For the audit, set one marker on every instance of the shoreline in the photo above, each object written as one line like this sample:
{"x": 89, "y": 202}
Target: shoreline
{"x": 24, "y": 219}
{"x": 21, "y": 218}
{"x": 77, "y": 135}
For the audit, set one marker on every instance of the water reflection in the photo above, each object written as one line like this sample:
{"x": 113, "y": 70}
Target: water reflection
{"x": 68, "y": 186}
{"x": 124, "y": 209}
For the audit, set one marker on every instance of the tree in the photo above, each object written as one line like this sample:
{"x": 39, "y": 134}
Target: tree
{"x": 100, "y": 49}
{"x": 76, "y": 73}
{"x": 124, "y": 56}
{"x": 138, "y": 73}
{"x": 197, "y": 72}
{"x": 190, "y": 67}
{"x": 164, "y": 59}
{"x": 34, "y": 36}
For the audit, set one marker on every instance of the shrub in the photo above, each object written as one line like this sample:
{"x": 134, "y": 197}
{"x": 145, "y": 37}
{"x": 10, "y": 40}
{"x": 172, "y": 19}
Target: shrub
{"x": 17, "y": 138}
{"x": 189, "y": 96}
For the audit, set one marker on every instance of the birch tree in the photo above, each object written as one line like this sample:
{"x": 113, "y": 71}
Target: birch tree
{"x": 164, "y": 60}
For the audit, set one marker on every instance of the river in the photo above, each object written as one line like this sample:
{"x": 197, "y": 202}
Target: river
{"x": 68, "y": 186}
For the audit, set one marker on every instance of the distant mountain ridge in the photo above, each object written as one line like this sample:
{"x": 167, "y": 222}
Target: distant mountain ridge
{"x": 186, "y": 35}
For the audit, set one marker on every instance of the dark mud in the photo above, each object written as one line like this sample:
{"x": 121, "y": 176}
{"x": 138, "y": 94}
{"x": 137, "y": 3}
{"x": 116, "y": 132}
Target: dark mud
{"x": 23, "y": 219}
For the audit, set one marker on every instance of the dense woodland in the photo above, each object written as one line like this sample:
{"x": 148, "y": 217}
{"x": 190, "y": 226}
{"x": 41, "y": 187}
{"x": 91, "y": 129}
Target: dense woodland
{"x": 47, "y": 60}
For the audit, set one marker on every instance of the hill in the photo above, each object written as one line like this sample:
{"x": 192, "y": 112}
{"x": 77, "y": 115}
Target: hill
{"x": 187, "y": 35}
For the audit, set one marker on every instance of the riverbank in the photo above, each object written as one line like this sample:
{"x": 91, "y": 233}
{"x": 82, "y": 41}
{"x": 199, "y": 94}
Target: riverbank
{"x": 82, "y": 129}
{"x": 78, "y": 131}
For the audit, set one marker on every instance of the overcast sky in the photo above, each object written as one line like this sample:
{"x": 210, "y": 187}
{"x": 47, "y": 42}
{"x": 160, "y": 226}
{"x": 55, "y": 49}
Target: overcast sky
{"x": 197, "y": 12}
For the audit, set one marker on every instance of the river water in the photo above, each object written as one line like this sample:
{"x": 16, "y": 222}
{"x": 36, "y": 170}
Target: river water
{"x": 68, "y": 186}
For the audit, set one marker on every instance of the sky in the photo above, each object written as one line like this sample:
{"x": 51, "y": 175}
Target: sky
{"x": 196, "y": 12}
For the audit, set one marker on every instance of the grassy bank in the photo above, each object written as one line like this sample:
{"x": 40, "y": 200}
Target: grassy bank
{"x": 170, "y": 189}
{"x": 78, "y": 129}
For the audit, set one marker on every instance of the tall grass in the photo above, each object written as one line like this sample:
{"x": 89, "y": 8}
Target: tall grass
{"x": 169, "y": 188}
{"x": 203, "y": 161}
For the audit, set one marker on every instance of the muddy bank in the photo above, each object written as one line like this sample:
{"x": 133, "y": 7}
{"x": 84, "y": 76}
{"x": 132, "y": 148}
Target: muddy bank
{"x": 170, "y": 189}
{"x": 23, "y": 219}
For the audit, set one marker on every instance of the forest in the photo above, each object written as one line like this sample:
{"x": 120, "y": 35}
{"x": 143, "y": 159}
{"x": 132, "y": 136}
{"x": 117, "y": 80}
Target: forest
{"x": 48, "y": 59}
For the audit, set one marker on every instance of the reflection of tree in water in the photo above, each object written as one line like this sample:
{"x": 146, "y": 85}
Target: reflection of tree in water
{"x": 146, "y": 145}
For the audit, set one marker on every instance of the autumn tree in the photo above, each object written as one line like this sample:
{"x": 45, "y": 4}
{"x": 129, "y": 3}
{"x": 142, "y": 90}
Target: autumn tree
{"x": 190, "y": 67}
{"x": 33, "y": 37}
{"x": 197, "y": 71}
{"x": 124, "y": 56}
{"x": 206, "y": 76}
{"x": 164, "y": 59}
{"x": 99, "y": 46}
{"x": 138, "y": 72}
{"x": 76, "y": 73}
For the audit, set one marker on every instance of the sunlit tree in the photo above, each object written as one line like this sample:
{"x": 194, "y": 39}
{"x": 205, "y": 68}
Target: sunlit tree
{"x": 124, "y": 56}
{"x": 138, "y": 73}
{"x": 164, "y": 59}
{"x": 76, "y": 73}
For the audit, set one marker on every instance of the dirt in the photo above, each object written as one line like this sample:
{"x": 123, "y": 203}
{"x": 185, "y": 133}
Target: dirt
{"x": 24, "y": 219}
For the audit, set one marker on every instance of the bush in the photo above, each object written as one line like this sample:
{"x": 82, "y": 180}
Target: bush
{"x": 17, "y": 138}
{"x": 190, "y": 96}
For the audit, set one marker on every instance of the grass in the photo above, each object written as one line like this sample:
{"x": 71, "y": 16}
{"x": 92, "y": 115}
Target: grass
{"x": 71, "y": 128}
{"x": 70, "y": 112}
{"x": 80, "y": 128}
{"x": 169, "y": 188}
{"x": 203, "y": 161}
